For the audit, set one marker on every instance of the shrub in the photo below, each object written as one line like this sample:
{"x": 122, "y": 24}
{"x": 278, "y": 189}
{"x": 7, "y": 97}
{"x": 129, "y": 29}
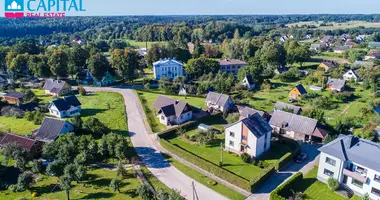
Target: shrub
{"x": 284, "y": 191}
{"x": 211, "y": 182}
{"x": 245, "y": 157}
{"x": 82, "y": 91}
{"x": 333, "y": 184}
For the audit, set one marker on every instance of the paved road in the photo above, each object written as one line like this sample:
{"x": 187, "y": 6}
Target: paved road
{"x": 150, "y": 156}
{"x": 278, "y": 178}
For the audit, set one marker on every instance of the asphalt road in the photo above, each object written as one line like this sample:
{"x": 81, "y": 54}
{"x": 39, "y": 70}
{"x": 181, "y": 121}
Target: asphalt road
{"x": 150, "y": 156}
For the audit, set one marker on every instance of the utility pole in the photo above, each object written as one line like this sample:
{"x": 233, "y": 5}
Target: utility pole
{"x": 195, "y": 195}
{"x": 221, "y": 154}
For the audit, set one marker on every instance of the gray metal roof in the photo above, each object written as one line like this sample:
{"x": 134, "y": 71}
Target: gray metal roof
{"x": 355, "y": 149}
{"x": 232, "y": 62}
{"x": 281, "y": 105}
{"x": 170, "y": 106}
{"x": 336, "y": 83}
{"x": 217, "y": 98}
{"x": 292, "y": 122}
{"x": 50, "y": 129}
{"x": 247, "y": 111}
{"x": 54, "y": 85}
{"x": 256, "y": 124}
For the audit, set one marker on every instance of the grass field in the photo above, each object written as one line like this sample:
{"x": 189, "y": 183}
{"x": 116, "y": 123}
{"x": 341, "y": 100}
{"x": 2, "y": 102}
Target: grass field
{"x": 17, "y": 126}
{"x": 97, "y": 187}
{"x": 337, "y": 25}
{"x": 148, "y": 97}
{"x": 316, "y": 190}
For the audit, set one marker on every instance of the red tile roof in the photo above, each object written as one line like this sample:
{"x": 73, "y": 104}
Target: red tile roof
{"x": 25, "y": 142}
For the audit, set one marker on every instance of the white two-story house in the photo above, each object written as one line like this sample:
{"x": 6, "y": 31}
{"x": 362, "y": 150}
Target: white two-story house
{"x": 172, "y": 111}
{"x": 65, "y": 107}
{"x": 231, "y": 66}
{"x": 354, "y": 162}
{"x": 219, "y": 102}
{"x": 168, "y": 68}
{"x": 250, "y": 135}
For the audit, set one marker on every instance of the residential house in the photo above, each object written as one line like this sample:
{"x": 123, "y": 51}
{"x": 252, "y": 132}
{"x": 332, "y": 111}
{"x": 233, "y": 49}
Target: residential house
{"x": 251, "y": 135}
{"x": 327, "y": 65}
{"x": 231, "y": 66}
{"x": 66, "y": 107}
{"x": 31, "y": 145}
{"x": 246, "y": 111}
{"x": 340, "y": 49}
{"x": 315, "y": 47}
{"x": 78, "y": 41}
{"x": 359, "y": 63}
{"x": 353, "y": 162}
{"x": 51, "y": 128}
{"x": 308, "y": 36}
{"x": 350, "y": 44}
{"x": 351, "y": 75}
{"x": 13, "y": 97}
{"x": 219, "y": 102}
{"x": 377, "y": 131}
{"x": 360, "y": 38}
{"x": 282, "y": 106}
{"x": 85, "y": 77}
{"x": 374, "y": 45}
{"x": 172, "y": 111}
{"x": 108, "y": 79}
{"x": 143, "y": 51}
{"x": 345, "y": 37}
{"x": 297, "y": 92}
{"x": 248, "y": 82}
{"x": 56, "y": 87}
{"x": 296, "y": 126}
{"x": 182, "y": 92}
{"x": 168, "y": 68}
{"x": 327, "y": 39}
{"x": 375, "y": 55}
{"x": 336, "y": 84}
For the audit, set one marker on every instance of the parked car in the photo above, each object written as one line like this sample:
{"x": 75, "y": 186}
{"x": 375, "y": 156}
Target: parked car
{"x": 301, "y": 157}
{"x": 291, "y": 100}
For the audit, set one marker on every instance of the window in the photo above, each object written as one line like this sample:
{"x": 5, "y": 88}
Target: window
{"x": 328, "y": 173}
{"x": 330, "y": 161}
{"x": 232, "y": 143}
{"x": 377, "y": 178}
{"x": 357, "y": 183}
{"x": 162, "y": 117}
{"x": 232, "y": 134}
{"x": 375, "y": 192}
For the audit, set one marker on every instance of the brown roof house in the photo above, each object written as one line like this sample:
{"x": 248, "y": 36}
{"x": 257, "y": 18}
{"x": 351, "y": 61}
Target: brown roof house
{"x": 172, "y": 111}
{"x": 219, "y": 102}
{"x": 231, "y": 66}
{"x": 31, "y": 145}
{"x": 296, "y": 126}
{"x": 297, "y": 92}
{"x": 56, "y": 87}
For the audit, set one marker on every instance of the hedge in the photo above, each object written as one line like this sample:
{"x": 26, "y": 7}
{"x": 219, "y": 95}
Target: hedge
{"x": 288, "y": 156}
{"x": 284, "y": 191}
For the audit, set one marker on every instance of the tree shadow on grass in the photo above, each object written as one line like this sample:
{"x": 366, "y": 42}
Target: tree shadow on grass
{"x": 88, "y": 112}
{"x": 99, "y": 195}
{"x": 46, "y": 189}
{"x": 101, "y": 182}
{"x": 131, "y": 193}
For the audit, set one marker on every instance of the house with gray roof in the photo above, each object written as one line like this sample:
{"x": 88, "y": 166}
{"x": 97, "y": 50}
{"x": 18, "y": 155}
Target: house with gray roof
{"x": 248, "y": 83}
{"x": 250, "y": 135}
{"x": 247, "y": 111}
{"x": 172, "y": 111}
{"x": 296, "y": 126}
{"x": 374, "y": 45}
{"x": 51, "y": 128}
{"x": 336, "y": 84}
{"x": 66, "y": 107}
{"x": 354, "y": 162}
{"x": 56, "y": 87}
{"x": 231, "y": 65}
{"x": 284, "y": 106}
{"x": 218, "y": 102}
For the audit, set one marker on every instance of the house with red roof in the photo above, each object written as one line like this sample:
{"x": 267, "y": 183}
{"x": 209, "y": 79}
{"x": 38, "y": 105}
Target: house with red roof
{"x": 31, "y": 145}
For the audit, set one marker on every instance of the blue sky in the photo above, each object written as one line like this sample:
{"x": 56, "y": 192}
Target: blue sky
{"x": 212, "y": 7}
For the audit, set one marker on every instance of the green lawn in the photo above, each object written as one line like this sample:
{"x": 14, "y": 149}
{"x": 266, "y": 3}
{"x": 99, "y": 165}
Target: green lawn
{"x": 17, "y": 126}
{"x": 148, "y": 97}
{"x": 220, "y": 188}
{"x": 95, "y": 188}
{"x": 317, "y": 190}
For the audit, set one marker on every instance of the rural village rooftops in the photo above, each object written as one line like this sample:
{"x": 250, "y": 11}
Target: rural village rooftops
{"x": 217, "y": 98}
{"x": 169, "y": 106}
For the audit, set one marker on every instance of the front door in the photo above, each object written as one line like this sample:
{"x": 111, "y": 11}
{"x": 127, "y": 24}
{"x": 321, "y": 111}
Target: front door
{"x": 345, "y": 179}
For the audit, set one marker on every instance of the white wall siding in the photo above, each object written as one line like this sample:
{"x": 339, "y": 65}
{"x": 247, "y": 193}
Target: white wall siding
{"x": 337, "y": 169}
{"x": 161, "y": 70}
{"x": 237, "y": 129}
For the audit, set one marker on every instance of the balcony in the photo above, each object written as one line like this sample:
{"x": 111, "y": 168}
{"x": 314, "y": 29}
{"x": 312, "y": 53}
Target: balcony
{"x": 356, "y": 175}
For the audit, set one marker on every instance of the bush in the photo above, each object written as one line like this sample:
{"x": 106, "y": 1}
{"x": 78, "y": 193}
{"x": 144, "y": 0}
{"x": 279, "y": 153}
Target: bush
{"x": 211, "y": 182}
{"x": 333, "y": 184}
{"x": 284, "y": 191}
{"x": 245, "y": 157}
{"x": 82, "y": 91}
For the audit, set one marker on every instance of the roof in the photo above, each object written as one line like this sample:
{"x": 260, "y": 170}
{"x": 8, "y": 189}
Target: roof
{"x": 292, "y": 122}
{"x": 170, "y": 106}
{"x": 250, "y": 79}
{"x": 355, "y": 149}
{"x": 329, "y": 64}
{"x": 247, "y": 111}
{"x": 166, "y": 61}
{"x": 350, "y": 43}
{"x": 14, "y": 95}
{"x": 353, "y": 73}
{"x": 363, "y": 63}
{"x": 336, "y": 83}
{"x": 375, "y": 54}
{"x": 281, "y": 105}
{"x": 217, "y": 98}
{"x": 24, "y": 142}
{"x": 374, "y": 44}
{"x": 66, "y": 103}
{"x": 54, "y": 86}
{"x": 256, "y": 124}
{"x": 301, "y": 89}
{"x": 50, "y": 129}
{"x": 231, "y": 62}
{"x": 340, "y": 48}
{"x": 327, "y": 38}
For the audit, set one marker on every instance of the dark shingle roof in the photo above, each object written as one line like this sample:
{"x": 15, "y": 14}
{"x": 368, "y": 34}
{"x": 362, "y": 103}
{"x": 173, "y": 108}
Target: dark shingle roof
{"x": 247, "y": 111}
{"x": 250, "y": 79}
{"x": 355, "y": 149}
{"x": 14, "y": 95}
{"x": 217, "y": 98}
{"x": 72, "y": 100}
{"x": 66, "y": 103}
{"x": 50, "y": 129}
{"x": 24, "y": 142}
{"x": 170, "y": 106}
{"x": 301, "y": 89}
{"x": 329, "y": 64}
{"x": 256, "y": 124}
{"x": 292, "y": 122}
{"x": 281, "y": 105}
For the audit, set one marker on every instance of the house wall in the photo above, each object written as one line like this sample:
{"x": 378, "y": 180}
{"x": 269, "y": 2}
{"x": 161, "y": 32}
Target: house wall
{"x": 12, "y": 100}
{"x": 67, "y": 128}
{"x": 294, "y": 93}
{"x": 185, "y": 117}
{"x": 162, "y": 70}
{"x": 236, "y": 139}
{"x": 257, "y": 145}
{"x": 55, "y": 112}
{"x": 231, "y": 68}
{"x": 337, "y": 169}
